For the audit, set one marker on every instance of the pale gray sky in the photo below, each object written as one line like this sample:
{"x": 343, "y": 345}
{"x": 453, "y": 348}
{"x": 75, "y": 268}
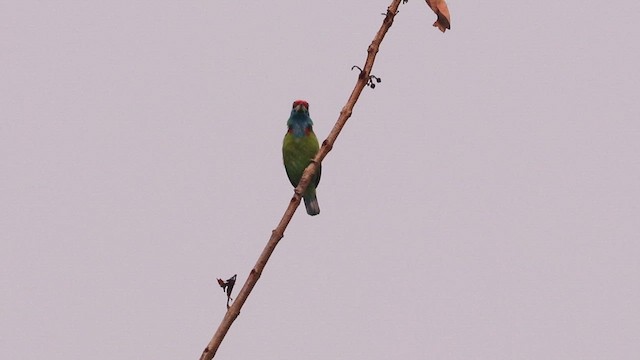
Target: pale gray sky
{"x": 481, "y": 203}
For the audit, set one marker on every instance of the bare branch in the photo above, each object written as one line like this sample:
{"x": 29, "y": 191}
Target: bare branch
{"x": 277, "y": 234}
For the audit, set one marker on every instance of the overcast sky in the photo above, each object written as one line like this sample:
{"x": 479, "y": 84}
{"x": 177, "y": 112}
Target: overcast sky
{"x": 481, "y": 203}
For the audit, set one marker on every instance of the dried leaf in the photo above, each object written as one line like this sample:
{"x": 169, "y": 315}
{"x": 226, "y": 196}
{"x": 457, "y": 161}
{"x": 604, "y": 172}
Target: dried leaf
{"x": 228, "y": 285}
{"x": 440, "y": 8}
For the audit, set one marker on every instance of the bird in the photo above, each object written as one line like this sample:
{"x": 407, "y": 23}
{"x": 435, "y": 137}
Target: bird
{"x": 299, "y": 147}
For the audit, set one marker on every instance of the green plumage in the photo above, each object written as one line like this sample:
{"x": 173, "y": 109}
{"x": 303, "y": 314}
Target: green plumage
{"x": 299, "y": 147}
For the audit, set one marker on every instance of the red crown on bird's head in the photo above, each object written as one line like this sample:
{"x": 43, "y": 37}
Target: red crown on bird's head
{"x": 301, "y": 102}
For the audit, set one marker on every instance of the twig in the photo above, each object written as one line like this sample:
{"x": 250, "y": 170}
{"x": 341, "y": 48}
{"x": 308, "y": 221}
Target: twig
{"x": 277, "y": 234}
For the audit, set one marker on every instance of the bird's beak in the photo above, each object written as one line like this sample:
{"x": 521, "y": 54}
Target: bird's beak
{"x": 299, "y": 108}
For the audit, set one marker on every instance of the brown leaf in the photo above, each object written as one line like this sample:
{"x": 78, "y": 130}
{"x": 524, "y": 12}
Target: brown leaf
{"x": 440, "y": 8}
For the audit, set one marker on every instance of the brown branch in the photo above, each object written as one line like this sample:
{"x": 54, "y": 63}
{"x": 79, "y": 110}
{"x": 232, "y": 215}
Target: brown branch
{"x": 277, "y": 234}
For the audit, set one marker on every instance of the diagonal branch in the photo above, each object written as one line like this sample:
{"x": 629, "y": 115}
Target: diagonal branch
{"x": 277, "y": 234}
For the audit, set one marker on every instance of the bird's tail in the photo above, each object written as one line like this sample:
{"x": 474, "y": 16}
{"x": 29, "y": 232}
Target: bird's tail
{"x": 311, "y": 203}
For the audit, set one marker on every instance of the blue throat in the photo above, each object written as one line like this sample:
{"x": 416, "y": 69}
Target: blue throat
{"x": 298, "y": 123}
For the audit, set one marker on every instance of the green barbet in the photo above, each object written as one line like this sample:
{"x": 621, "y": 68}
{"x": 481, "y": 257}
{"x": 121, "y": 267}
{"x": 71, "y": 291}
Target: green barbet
{"x": 299, "y": 147}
